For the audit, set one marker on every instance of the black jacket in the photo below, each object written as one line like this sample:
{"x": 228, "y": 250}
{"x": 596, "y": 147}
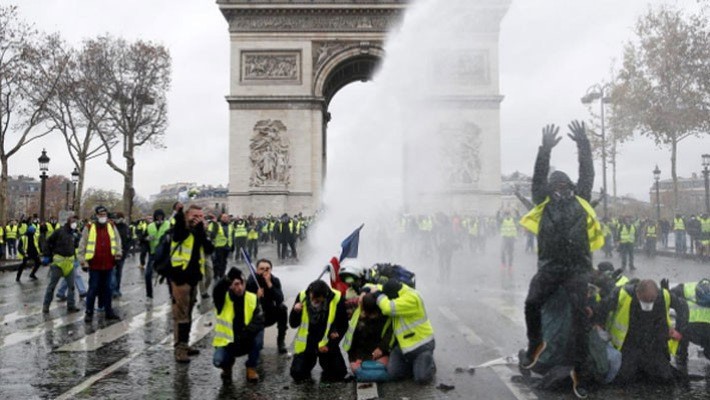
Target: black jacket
{"x": 61, "y": 242}
{"x": 240, "y": 331}
{"x": 317, "y": 326}
{"x": 192, "y": 274}
{"x": 273, "y": 297}
{"x": 563, "y": 244}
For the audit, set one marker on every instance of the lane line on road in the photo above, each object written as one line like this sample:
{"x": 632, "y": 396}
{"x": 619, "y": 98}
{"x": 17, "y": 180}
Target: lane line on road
{"x": 71, "y": 393}
{"x": 467, "y": 332}
{"x": 115, "y": 331}
{"x": 505, "y": 374}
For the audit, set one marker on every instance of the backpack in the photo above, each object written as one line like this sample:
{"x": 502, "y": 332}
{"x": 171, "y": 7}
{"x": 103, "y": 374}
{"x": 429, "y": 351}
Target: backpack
{"x": 381, "y": 273}
{"x": 162, "y": 262}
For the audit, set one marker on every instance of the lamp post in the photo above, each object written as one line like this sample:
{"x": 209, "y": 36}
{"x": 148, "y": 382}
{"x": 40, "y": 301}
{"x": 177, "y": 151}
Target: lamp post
{"x": 706, "y": 174}
{"x": 601, "y": 92}
{"x": 74, "y": 181}
{"x": 43, "y": 167}
{"x": 657, "y": 178}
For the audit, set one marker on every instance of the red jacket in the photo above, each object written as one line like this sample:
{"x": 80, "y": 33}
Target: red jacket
{"x": 103, "y": 260}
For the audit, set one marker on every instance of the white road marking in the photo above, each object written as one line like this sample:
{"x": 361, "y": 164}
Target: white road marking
{"x": 113, "y": 332}
{"x": 467, "y": 332}
{"x": 366, "y": 391}
{"x": 27, "y": 334}
{"x": 120, "y": 363}
{"x": 505, "y": 373}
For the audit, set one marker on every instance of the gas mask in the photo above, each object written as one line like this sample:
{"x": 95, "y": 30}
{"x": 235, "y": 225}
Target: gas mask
{"x": 647, "y": 307}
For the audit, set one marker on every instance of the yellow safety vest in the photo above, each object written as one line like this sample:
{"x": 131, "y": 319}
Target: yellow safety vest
{"x": 697, "y": 313}
{"x": 221, "y": 240}
{"x": 618, "y": 325}
{"x": 651, "y": 231}
{"x": 2, "y": 236}
{"x": 224, "y": 326}
{"x": 531, "y": 222}
{"x": 66, "y": 264}
{"x": 241, "y": 230}
{"x": 252, "y": 234}
{"x": 91, "y": 242}
{"x": 180, "y": 253}
{"x": 410, "y": 323}
{"x": 678, "y": 224}
{"x": 24, "y": 244}
{"x": 302, "y": 332}
{"x": 11, "y": 231}
{"x": 507, "y": 228}
{"x": 627, "y": 234}
{"x": 473, "y": 228}
{"x": 623, "y": 280}
{"x": 705, "y": 225}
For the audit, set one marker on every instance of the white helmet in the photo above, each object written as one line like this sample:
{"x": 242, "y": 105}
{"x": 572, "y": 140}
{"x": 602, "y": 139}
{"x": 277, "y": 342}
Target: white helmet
{"x": 352, "y": 267}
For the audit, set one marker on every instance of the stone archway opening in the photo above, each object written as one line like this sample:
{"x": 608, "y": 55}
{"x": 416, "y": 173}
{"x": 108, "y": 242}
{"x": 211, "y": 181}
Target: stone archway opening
{"x": 359, "y": 68}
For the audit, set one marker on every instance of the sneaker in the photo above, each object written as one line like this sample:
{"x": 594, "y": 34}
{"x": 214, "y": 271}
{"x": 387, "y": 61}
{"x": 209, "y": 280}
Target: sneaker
{"x": 192, "y": 351}
{"x": 100, "y": 310}
{"x": 282, "y": 348}
{"x": 33, "y": 277}
{"x": 45, "y": 309}
{"x": 530, "y": 360}
{"x": 577, "y": 387}
{"x": 61, "y": 298}
{"x": 113, "y": 316}
{"x": 88, "y": 318}
{"x": 71, "y": 310}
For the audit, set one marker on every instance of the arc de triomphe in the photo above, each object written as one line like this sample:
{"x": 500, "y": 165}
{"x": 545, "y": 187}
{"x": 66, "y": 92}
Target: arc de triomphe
{"x": 290, "y": 57}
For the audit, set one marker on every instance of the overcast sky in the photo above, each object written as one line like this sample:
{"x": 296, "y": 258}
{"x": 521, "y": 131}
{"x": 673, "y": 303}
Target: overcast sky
{"x": 551, "y": 51}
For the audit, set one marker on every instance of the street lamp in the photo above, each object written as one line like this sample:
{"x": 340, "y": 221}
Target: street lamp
{"x": 601, "y": 92}
{"x": 43, "y": 167}
{"x": 706, "y": 174}
{"x": 74, "y": 181}
{"x": 657, "y": 178}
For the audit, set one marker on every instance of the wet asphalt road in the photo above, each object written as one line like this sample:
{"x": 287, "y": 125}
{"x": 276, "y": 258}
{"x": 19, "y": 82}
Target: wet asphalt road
{"x": 477, "y": 317}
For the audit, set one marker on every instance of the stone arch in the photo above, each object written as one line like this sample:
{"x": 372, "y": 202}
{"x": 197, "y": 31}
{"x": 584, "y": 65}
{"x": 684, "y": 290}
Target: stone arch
{"x": 353, "y": 63}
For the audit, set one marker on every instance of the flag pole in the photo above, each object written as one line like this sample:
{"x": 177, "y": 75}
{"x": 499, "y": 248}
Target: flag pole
{"x": 252, "y": 271}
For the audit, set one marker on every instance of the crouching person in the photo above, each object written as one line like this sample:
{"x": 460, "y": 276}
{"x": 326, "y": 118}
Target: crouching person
{"x": 368, "y": 340}
{"x": 413, "y": 353}
{"x": 319, "y": 314}
{"x": 240, "y": 326}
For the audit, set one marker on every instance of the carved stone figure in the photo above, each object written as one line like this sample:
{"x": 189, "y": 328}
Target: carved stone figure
{"x": 461, "y": 151}
{"x": 260, "y": 66}
{"x": 269, "y": 157}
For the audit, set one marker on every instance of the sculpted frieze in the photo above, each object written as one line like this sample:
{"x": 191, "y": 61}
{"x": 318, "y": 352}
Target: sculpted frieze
{"x": 259, "y": 66}
{"x": 314, "y": 21}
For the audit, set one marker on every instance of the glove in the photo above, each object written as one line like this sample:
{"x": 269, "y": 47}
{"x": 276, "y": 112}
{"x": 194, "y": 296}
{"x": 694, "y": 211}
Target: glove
{"x": 46, "y": 260}
{"x": 674, "y": 334}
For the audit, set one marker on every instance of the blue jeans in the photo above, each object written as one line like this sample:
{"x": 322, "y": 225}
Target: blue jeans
{"x": 149, "y": 276}
{"x": 78, "y": 283}
{"x": 680, "y": 244}
{"x": 99, "y": 285}
{"x": 116, "y": 275}
{"x": 418, "y": 363}
{"x": 55, "y": 274}
{"x": 224, "y": 357}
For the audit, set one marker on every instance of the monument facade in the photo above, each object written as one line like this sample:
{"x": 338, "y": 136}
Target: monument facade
{"x": 290, "y": 57}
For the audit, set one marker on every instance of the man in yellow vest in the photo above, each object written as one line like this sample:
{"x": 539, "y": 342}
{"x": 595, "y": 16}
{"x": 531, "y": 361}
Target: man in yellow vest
{"x": 154, "y": 232}
{"x": 99, "y": 249}
{"x": 222, "y": 234}
{"x": 187, "y": 258}
{"x": 637, "y": 319}
{"x": 252, "y": 240}
{"x": 568, "y": 232}
{"x": 11, "y": 234}
{"x": 60, "y": 253}
{"x": 627, "y": 240}
{"x": 508, "y": 233}
{"x": 29, "y": 251}
{"x": 321, "y": 321}
{"x": 697, "y": 330}
{"x": 240, "y": 238}
{"x": 239, "y": 329}
{"x": 413, "y": 352}
{"x": 651, "y": 229}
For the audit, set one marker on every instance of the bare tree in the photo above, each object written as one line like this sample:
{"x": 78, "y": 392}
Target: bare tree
{"x": 27, "y": 81}
{"x": 662, "y": 89}
{"x": 135, "y": 78}
{"x": 76, "y": 108}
